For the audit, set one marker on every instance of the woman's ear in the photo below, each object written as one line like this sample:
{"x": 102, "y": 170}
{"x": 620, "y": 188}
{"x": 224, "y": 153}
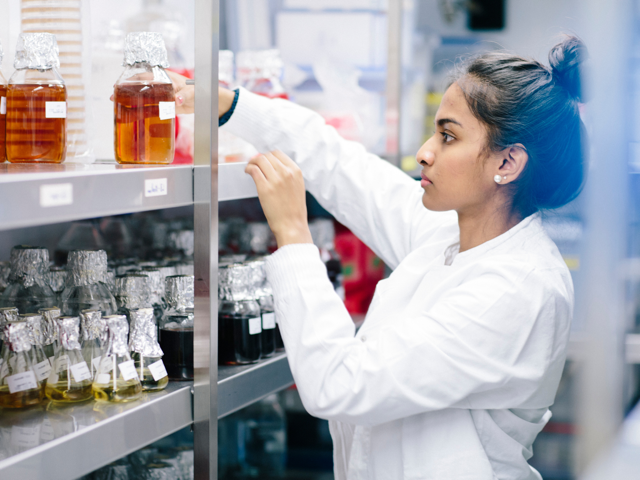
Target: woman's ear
{"x": 514, "y": 161}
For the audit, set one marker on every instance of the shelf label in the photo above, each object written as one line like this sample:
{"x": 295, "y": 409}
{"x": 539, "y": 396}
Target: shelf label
{"x": 167, "y": 110}
{"x": 21, "y": 382}
{"x": 157, "y": 370}
{"x": 46, "y": 432}
{"x": 56, "y": 195}
{"x": 255, "y": 326}
{"x": 42, "y": 370}
{"x": 128, "y": 370}
{"x": 55, "y": 110}
{"x": 268, "y": 321}
{"x": 3, "y": 105}
{"x": 155, "y": 187}
{"x": 80, "y": 372}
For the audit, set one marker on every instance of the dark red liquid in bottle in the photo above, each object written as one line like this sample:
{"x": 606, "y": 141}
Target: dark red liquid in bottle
{"x": 267, "y": 338}
{"x": 177, "y": 346}
{"x": 236, "y": 345}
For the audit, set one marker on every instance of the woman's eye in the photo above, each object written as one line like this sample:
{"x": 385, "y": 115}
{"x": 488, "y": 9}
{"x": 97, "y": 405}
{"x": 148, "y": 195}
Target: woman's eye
{"x": 446, "y": 138}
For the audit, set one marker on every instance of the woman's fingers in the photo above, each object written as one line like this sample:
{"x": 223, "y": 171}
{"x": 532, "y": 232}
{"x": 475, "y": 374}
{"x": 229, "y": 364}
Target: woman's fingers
{"x": 284, "y": 159}
{"x": 257, "y": 175}
{"x": 265, "y": 166}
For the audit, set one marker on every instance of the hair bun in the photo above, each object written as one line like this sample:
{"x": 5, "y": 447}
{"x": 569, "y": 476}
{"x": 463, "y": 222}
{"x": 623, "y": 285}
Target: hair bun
{"x": 566, "y": 60}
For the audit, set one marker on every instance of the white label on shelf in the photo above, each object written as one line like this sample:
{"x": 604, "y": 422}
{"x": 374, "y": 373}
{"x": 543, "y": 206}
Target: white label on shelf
{"x": 255, "y": 326}
{"x": 95, "y": 364}
{"x": 22, "y": 381}
{"x": 155, "y": 187}
{"x": 46, "y": 433}
{"x": 103, "y": 378}
{"x": 25, "y": 437}
{"x": 42, "y": 370}
{"x": 56, "y": 195}
{"x": 80, "y": 372}
{"x": 268, "y": 321}
{"x": 62, "y": 363}
{"x": 157, "y": 370}
{"x": 3, "y": 105}
{"x": 55, "y": 110}
{"x": 167, "y": 110}
{"x": 128, "y": 370}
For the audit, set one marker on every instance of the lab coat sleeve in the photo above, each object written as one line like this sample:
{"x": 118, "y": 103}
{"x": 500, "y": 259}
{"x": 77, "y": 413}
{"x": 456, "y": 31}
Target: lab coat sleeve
{"x": 488, "y": 344}
{"x": 378, "y": 202}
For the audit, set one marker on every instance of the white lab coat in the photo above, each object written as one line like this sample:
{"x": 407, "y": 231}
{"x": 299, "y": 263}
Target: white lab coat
{"x": 452, "y": 374}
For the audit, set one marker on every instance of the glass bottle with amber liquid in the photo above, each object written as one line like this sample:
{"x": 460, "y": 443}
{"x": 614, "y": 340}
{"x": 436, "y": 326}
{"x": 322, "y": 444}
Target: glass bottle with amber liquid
{"x": 144, "y": 103}
{"x": 145, "y": 350}
{"x": 36, "y": 103}
{"x": 19, "y": 387}
{"x": 3, "y": 113}
{"x": 117, "y": 378}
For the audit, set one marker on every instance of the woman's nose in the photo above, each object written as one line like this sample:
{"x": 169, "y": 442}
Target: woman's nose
{"x": 425, "y": 156}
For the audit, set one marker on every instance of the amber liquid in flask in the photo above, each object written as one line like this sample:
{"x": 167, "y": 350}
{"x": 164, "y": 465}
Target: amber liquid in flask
{"x": 35, "y": 131}
{"x": 140, "y": 134}
{"x": 3, "y": 120}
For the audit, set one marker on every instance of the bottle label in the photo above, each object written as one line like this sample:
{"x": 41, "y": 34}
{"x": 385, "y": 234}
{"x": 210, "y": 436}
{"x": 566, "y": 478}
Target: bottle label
{"x": 255, "y": 326}
{"x": 103, "y": 379}
{"x": 3, "y": 105}
{"x": 128, "y": 370}
{"x": 95, "y": 364}
{"x": 268, "y": 321}
{"x": 22, "y": 381}
{"x": 157, "y": 370}
{"x": 167, "y": 110}
{"x": 80, "y": 372}
{"x": 62, "y": 363}
{"x": 42, "y": 370}
{"x": 46, "y": 433}
{"x": 55, "y": 110}
{"x": 25, "y": 437}
{"x": 106, "y": 364}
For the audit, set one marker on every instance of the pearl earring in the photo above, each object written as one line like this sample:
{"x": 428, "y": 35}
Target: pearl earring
{"x": 497, "y": 178}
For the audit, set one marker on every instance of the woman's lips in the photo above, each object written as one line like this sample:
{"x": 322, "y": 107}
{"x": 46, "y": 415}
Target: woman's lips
{"x": 425, "y": 181}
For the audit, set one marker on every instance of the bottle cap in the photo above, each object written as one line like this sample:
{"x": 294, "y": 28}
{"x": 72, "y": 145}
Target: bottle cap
{"x": 144, "y": 333}
{"x": 92, "y": 326}
{"x": 5, "y": 271}
{"x": 36, "y": 326}
{"x": 17, "y": 336}
{"x": 156, "y": 284}
{"x": 182, "y": 241}
{"x": 257, "y": 276}
{"x": 86, "y": 267}
{"x": 51, "y": 329}
{"x": 118, "y": 328}
{"x": 7, "y": 314}
{"x": 145, "y": 47}
{"x": 132, "y": 291}
{"x": 234, "y": 282}
{"x": 57, "y": 277}
{"x": 37, "y": 51}
{"x": 179, "y": 292}
{"x": 69, "y": 332}
{"x": 29, "y": 265}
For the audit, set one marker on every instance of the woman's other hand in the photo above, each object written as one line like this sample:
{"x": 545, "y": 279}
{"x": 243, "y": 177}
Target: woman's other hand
{"x": 185, "y": 94}
{"x": 282, "y": 196}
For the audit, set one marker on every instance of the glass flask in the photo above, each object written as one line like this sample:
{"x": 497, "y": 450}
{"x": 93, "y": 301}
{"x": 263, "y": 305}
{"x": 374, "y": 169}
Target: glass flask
{"x": 145, "y": 350}
{"x": 41, "y": 365}
{"x": 7, "y": 314}
{"x": 239, "y": 321}
{"x": 80, "y": 236}
{"x": 28, "y": 289}
{"x": 3, "y": 113}
{"x": 262, "y": 294}
{"x": 51, "y": 331}
{"x": 132, "y": 291}
{"x": 70, "y": 377}
{"x": 176, "y": 327}
{"x": 85, "y": 288}
{"x": 144, "y": 103}
{"x": 19, "y": 386}
{"x": 36, "y": 103}
{"x": 56, "y": 278}
{"x": 94, "y": 338}
{"x": 117, "y": 379}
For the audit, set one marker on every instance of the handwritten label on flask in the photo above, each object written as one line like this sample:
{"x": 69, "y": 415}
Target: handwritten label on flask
{"x": 155, "y": 187}
{"x": 55, "y": 110}
{"x": 21, "y": 382}
{"x": 255, "y": 326}
{"x": 42, "y": 370}
{"x": 157, "y": 370}
{"x": 80, "y": 372}
{"x": 167, "y": 110}
{"x": 128, "y": 370}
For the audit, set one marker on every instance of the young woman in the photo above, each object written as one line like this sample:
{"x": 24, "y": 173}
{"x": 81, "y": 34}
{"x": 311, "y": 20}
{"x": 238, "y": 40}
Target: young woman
{"x": 457, "y": 363}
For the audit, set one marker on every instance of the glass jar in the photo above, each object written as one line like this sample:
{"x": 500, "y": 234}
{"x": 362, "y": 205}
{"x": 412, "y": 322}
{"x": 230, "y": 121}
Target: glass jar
{"x": 144, "y": 103}
{"x": 28, "y": 289}
{"x": 132, "y": 291}
{"x": 262, "y": 293}
{"x": 145, "y": 351}
{"x": 176, "y": 327}
{"x": 3, "y": 113}
{"x": 39, "y": 361}
{"x": 85, "y": 288}
{"x": 36, "y": 103}
{"x": 19, "y": 387}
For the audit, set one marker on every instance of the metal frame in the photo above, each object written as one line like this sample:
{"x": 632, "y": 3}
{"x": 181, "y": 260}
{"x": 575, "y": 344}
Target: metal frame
{"x": 394, "y": 82}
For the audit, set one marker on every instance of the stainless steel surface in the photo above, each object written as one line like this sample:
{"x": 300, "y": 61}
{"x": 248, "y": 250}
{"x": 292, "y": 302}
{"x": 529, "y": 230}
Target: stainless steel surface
{"x": 239, "y": 386}
{"x": 68, "y": 442}
{"x": 632, "y": 348}
{"x": 76, "y": 191}
{"x": 233, "y": 183}
{"x": 206, "y": 240}
{"x": 394, "y": 81}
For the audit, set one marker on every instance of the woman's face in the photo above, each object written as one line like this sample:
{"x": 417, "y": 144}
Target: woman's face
{"x": 454, "y": 176}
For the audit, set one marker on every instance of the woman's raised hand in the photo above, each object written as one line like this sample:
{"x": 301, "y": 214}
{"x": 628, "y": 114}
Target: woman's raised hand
{"x": 185, "y": 94}
{"x": 282, "y": 196}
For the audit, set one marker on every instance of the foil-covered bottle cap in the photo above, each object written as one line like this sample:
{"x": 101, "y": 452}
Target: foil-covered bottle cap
{"x": 144, "y": 333}
{"x": 110, "y": 280}
{"x": 92, "y": 326}
{"x": 256, "y": 237}
{"x": 257, "y": 276}
{"x": 178, "y": 322}
{"x": 36, "y": 326}
{"x": 50, "y": 316}
{"x": 56, "y": 278}
{"x": 69, "y": 332}
{"x": 37, "y": 51}
{"x": 132, "y": 291}
{"x": 145, "y": 47}
{"x": 179, "y": 292}
{"x": 156, "y": 284}
{"x": 7, "y": 314}
{"x": 118, "y": 328}
{"x": 17, "y": 336}
{"x": 86, "y": 267}
{"x": 29, "y": 265}
{"x": 5, "y": 272}
{"x": 182, "y": 241}
{"x": 234, "y": 282}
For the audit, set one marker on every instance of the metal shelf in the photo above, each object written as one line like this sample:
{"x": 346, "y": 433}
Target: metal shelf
{"x": 233, "y": 183}
{"x": 243, "y": 385}
{"x": 68, "y": 442}
{"x": 43, "y": 194}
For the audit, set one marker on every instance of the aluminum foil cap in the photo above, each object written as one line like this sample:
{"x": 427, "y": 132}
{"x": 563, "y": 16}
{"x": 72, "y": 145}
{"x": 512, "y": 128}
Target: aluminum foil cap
{"x": 178, "y": 322}
{"x": 234, "y": 282}
{"x": 36, "y": 326}
{"x": 17, "y": 336}
{"x": 92, "y": 326}
{"x": 118, "y": 328}
{"x": 36, "y": 50}
{"x": 69, "y": 332}
{"x": 5, "y": 271}
{"x": 56, "y": 278}
{"x": 132, "y": 291}
{"x": 51, "y": 328}
{"x": 179, "y": 292}
{"x": 7, "y": 314}
{"x": 145, "y": 47}
{"x": 86, "y": 267}
{"x": 156, "y": 284}
{"x": 144, "y": 333}
{"x": 29, "y": 265}
{"x": 182, "y": 241}
{"x": 257, "y": 277}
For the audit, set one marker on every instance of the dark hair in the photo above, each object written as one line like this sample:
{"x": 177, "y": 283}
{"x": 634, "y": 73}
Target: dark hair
{"x": 522, "y": 101}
